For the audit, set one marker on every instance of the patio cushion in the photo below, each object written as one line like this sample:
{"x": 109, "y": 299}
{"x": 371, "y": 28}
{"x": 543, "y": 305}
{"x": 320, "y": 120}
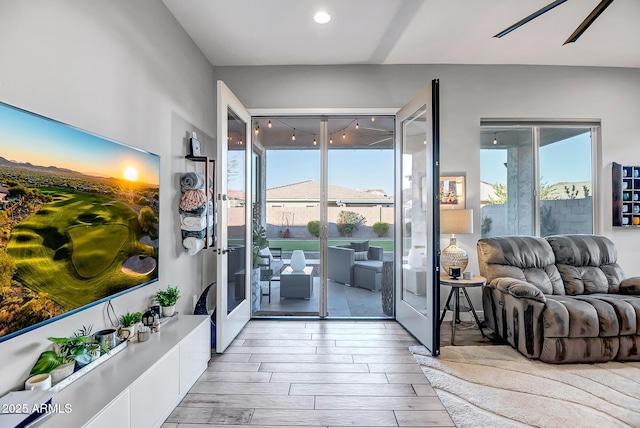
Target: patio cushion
{"x": 373, "y": 265}
{"x": 360, "y": 246}
{"x": 361, "y": 256}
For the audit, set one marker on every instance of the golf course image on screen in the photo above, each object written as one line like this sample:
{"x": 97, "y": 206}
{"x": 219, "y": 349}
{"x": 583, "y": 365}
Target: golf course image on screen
{"x": 79, "y": 218}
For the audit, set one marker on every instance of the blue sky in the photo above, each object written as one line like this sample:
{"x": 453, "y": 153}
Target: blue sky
{"x": 363, "y": 169}
{"x": 564, "y": 161}
{"x": 30, "y": 138}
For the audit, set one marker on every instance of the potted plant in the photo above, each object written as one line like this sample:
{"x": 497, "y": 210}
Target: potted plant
{"x": 258, "y": 242}
{"x": 128, "y": 322}
{"x": 138, "y": 320}
{"x": 167, "y": 300}
{"x": 61, "y": 361}
{"x": 94, "y": 348}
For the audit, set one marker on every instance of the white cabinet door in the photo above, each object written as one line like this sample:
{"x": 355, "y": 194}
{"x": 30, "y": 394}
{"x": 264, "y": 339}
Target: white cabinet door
{"x": 195, "y": 352}
{"x": 154, "y": 393}
{"x": 116, "y": 414}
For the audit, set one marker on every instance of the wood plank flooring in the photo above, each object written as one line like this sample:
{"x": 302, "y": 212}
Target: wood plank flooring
{"x": 315, "y": 374}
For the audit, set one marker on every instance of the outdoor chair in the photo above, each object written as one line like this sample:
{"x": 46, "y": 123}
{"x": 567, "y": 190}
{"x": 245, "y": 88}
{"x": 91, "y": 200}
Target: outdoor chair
{"x": 356, "y": 264}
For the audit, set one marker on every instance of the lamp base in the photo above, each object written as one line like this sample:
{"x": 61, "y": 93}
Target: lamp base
{"x": 453, "y": 256}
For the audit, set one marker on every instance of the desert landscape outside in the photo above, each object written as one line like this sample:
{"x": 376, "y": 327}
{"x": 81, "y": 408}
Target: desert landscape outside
{"x": 76, "y": 229}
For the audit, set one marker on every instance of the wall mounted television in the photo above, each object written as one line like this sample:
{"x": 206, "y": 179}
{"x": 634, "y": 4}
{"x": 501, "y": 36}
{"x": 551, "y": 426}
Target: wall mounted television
{"x": 79, "y": 217}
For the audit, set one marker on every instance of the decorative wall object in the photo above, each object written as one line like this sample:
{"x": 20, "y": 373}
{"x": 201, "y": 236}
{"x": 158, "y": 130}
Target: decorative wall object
{"x": 625, "y": 182}
{"x": 82, "y": 217}
{"x": 197, "y": 208}
{"x": 452, "y": 191}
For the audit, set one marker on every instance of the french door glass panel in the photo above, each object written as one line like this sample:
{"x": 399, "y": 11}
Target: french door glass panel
{"x": 417, "y": 287}
{"x": 233, "y": 272}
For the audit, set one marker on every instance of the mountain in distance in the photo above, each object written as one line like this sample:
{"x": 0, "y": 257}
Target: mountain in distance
{"x": 29, "y": 165}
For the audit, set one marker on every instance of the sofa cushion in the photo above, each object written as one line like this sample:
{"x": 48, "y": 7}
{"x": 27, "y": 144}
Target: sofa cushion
{"x": 361, "y": 256}
{"x": 526, "y": 258}
{"x": 373, "y": 265}
{"x": 569, "y": 316}
{"x": 587, "y": 263}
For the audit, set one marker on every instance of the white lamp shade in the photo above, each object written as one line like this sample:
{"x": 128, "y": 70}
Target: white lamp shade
{"x": 298, "y": 262}
{"x": 456, "y": 221}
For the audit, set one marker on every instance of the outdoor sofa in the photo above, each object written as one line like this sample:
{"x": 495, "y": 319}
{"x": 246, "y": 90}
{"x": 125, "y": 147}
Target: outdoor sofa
{"x": 563, "y": 299}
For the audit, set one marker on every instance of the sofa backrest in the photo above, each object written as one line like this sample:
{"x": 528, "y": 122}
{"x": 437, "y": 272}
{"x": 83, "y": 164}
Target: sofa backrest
{"x": 587, "y": 263}
{"x": 527, "y": 258}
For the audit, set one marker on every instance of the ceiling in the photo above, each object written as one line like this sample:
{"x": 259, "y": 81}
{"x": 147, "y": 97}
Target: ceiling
{"x": 282, "y": 32}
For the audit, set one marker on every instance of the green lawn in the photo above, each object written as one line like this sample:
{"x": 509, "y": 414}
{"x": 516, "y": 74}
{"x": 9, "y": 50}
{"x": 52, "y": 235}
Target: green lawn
{"x": 314, "y": 245}
{"x": 73, "y": 248}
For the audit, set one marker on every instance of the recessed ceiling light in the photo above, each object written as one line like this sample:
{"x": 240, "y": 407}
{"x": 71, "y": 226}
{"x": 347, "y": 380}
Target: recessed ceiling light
{"x": 321, "y": 17}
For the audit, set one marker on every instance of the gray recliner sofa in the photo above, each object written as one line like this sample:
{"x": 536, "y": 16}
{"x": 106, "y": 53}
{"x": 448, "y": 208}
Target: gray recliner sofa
{"x": 563, "y": 299}
{"x": 344, "y": 268}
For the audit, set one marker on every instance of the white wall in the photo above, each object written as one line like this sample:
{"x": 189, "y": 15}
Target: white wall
{"x": 125, "y": 70}
{"x": 468, "y": 93}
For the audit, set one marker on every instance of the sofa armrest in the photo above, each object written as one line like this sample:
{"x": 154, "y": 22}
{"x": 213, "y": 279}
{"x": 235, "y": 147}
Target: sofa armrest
{"x": 375, "y": 253}
{"x": 518, "y": 289}
{"x": 630, "y": 286}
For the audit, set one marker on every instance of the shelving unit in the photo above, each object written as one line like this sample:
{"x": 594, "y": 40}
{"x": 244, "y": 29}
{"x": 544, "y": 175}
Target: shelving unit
{"x": 626, "y": 195}
{"x": 207, "y": 174}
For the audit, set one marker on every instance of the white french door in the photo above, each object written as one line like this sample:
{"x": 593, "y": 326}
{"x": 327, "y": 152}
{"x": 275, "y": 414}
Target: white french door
{"x": 233, "y": 202}
{"x": 417, "y": 293}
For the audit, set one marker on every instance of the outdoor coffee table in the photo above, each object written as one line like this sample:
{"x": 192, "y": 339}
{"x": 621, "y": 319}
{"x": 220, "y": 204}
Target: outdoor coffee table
{"x": 296, "y": 284}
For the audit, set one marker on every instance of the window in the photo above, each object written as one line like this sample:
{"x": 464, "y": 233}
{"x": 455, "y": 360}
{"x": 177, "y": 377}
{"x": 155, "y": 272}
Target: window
{"x": 537, "y": 179}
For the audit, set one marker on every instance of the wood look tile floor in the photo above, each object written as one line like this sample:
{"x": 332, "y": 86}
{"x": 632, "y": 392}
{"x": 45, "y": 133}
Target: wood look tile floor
{"x": 315, "y": 374}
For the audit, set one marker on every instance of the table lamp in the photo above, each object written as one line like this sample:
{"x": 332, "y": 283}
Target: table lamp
{"x": 455, "y": 221}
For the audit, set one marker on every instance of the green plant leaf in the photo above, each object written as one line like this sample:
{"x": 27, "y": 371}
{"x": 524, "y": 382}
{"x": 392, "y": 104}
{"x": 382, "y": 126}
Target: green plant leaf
{"x": 47, "y": 361}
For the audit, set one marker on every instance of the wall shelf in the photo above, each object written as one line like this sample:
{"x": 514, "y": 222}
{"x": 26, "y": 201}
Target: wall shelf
{"x": 207, "y": 176}
{"x": 625, "y": 180}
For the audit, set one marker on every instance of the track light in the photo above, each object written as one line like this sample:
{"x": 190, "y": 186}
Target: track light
{"x": 269, "y": 125}
{"x": 293, "y": 136}
{"x": 344, "y": 135}
{"x": 357, "y": 125}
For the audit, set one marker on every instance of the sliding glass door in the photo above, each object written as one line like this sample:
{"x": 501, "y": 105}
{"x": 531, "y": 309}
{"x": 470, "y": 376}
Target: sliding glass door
{"x": 288, "y": 209}
{"x": 327, "y": 189}
{"x": 360, "y": 216}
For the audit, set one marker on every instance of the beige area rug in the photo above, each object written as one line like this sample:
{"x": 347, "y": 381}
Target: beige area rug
{"x": 495, "y": 386}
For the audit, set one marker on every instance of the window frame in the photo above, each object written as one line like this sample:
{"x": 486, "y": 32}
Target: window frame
{"x": 594, "y": 127}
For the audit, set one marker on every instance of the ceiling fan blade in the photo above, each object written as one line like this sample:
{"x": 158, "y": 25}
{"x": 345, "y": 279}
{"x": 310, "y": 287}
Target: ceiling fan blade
{"x": 588, "y": 21}
{"x": 379, "y": 141}
{"x": 531, "y": 17}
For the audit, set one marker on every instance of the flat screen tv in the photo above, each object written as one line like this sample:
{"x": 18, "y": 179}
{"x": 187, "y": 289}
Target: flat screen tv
{"x": 79, "y": 218}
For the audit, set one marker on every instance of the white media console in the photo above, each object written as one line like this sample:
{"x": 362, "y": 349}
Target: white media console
{"x": 140, "y": 386}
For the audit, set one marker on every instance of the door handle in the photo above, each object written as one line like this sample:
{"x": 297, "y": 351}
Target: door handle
{"x": 227, "y": 250}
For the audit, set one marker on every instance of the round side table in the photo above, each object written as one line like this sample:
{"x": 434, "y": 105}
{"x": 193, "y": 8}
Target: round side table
{"x": 457, "y": 285}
